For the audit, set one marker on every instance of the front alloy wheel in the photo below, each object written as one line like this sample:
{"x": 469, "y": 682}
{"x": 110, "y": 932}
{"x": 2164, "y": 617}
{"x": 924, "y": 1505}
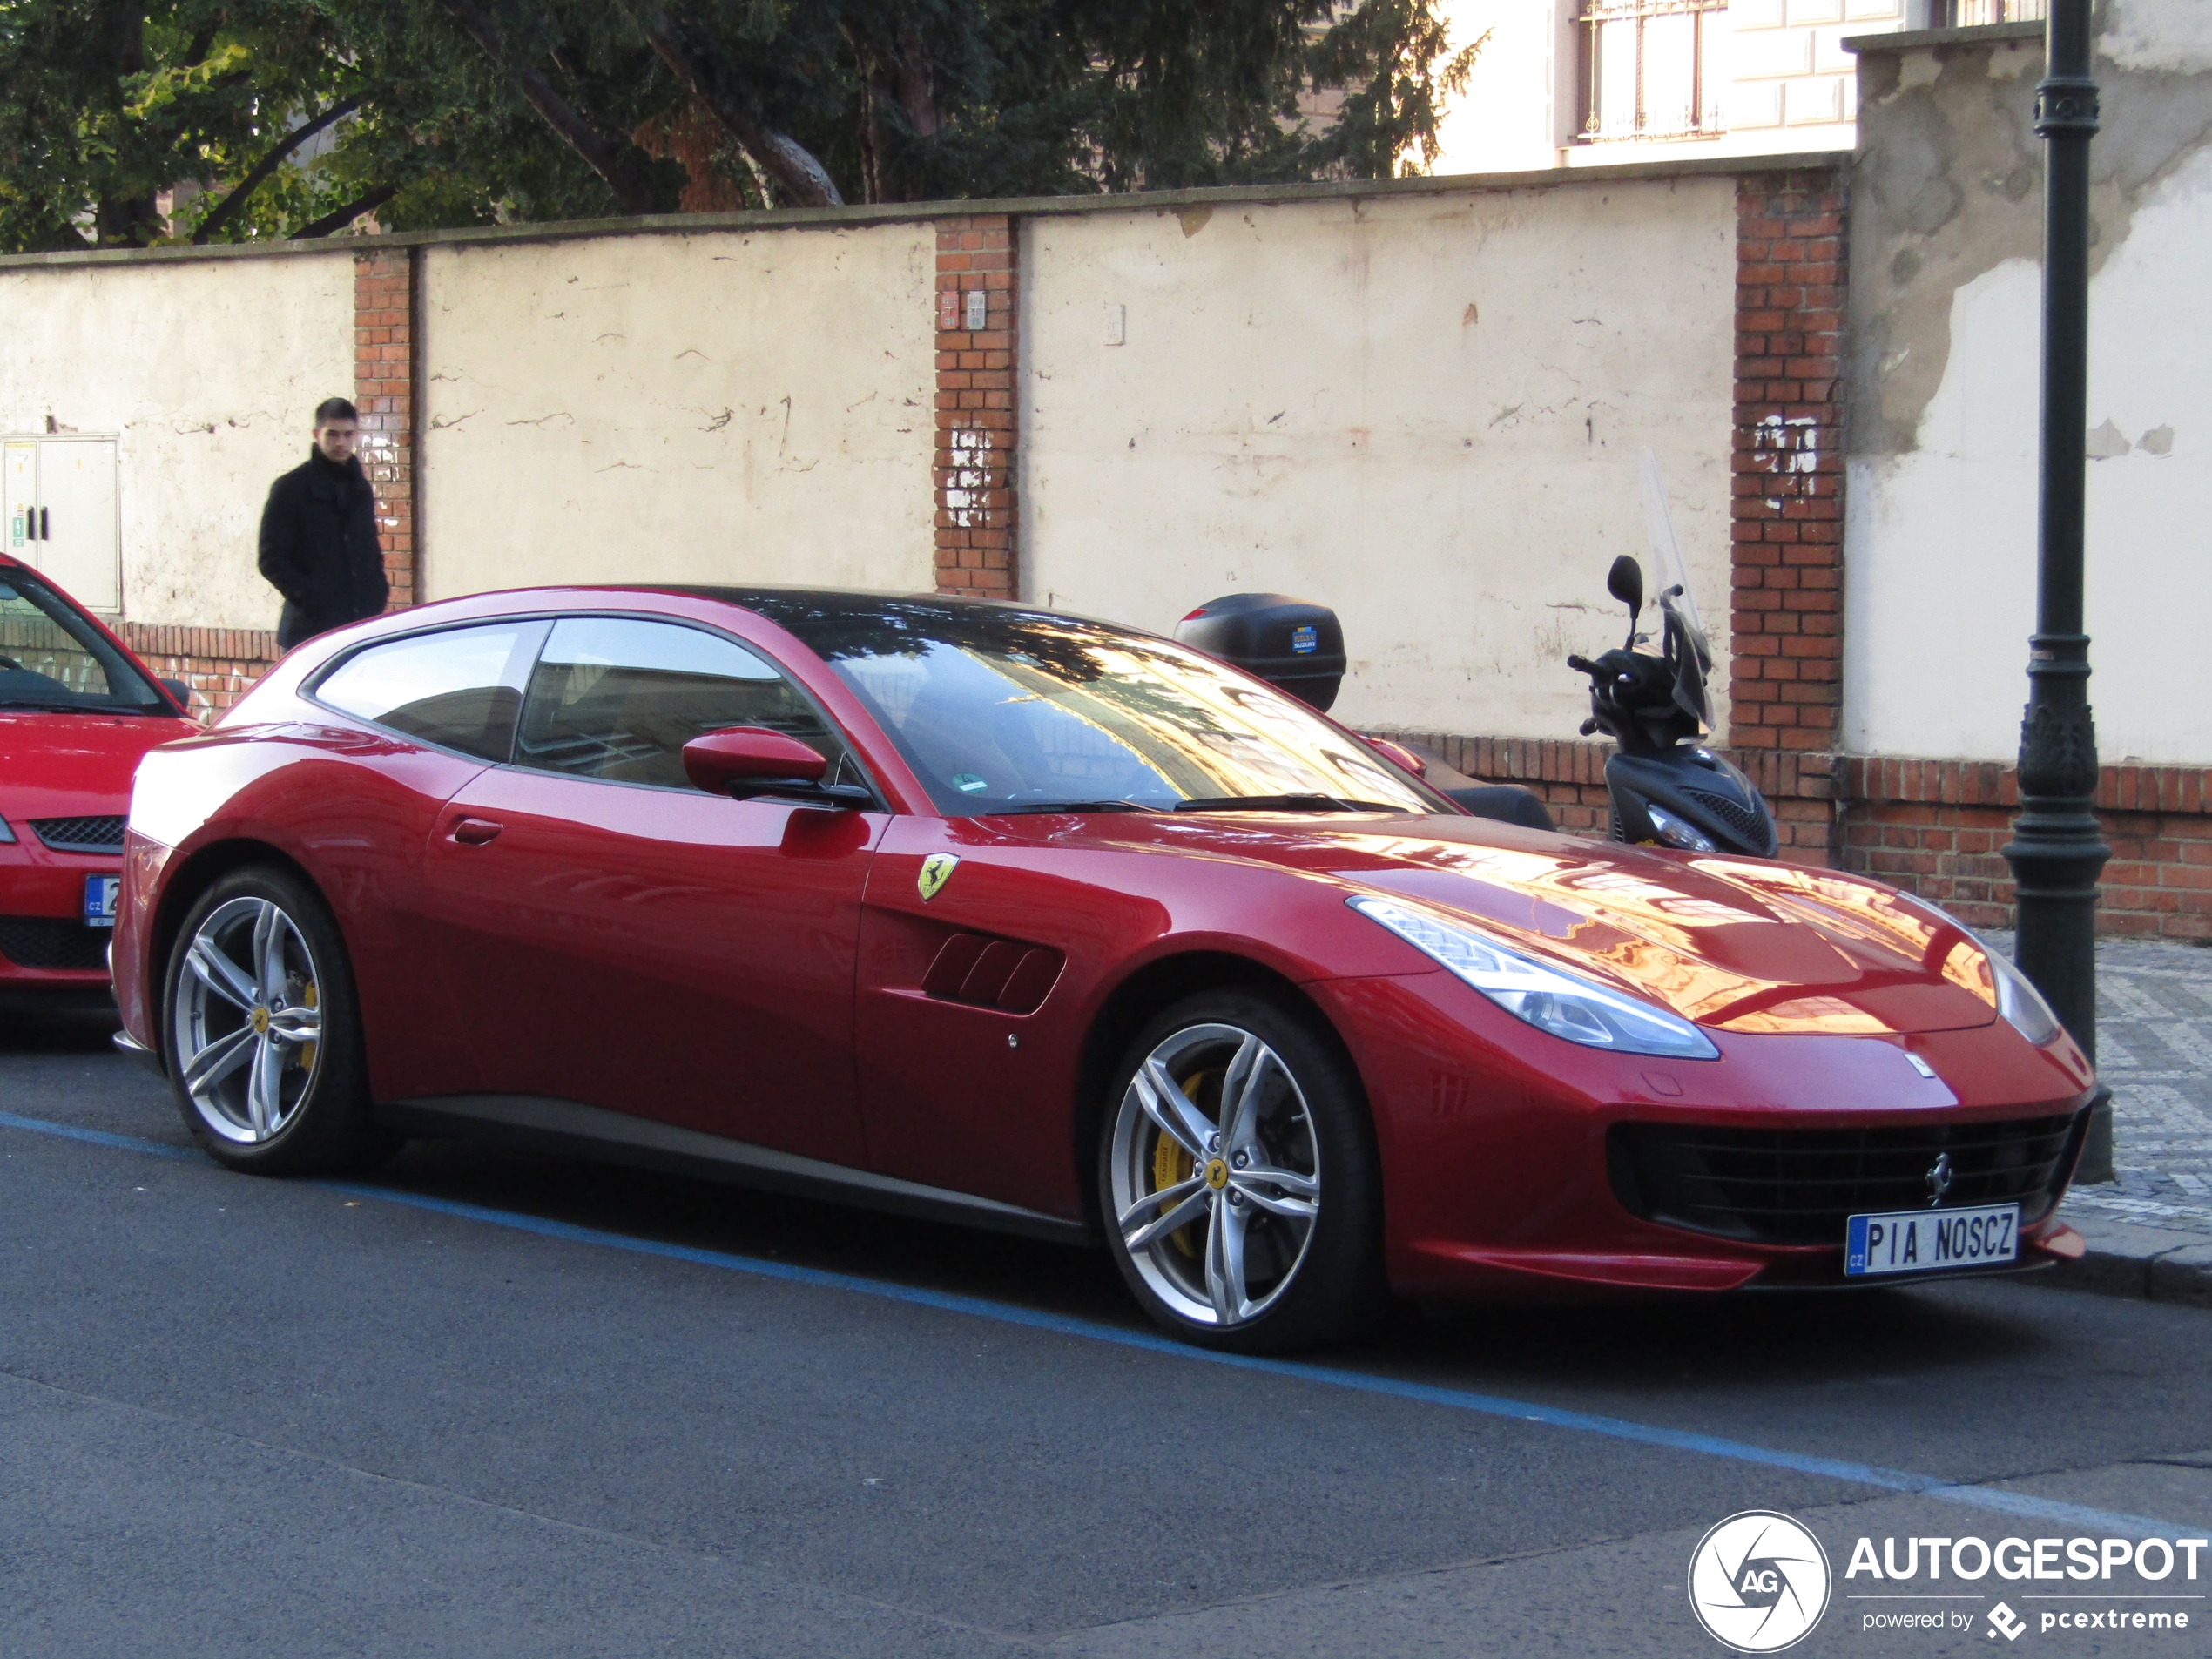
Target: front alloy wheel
{"x": 263, "y": 1041}
{"x": 246, "y": 1021}
{"x": 1237, "y": 1179}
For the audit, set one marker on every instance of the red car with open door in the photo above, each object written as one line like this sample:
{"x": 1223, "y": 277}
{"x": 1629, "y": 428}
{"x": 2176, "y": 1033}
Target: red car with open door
{"x": 992, "y": 914}
{"x": 77, "y": 710}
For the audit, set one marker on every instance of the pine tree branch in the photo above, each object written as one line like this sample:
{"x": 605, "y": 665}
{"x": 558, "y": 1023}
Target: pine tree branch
{"x": 621, "y": 168}
{"x": 680, "y": 43}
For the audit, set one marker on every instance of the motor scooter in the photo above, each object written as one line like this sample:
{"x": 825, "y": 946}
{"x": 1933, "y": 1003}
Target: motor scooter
{"x": 1666, "y": 784}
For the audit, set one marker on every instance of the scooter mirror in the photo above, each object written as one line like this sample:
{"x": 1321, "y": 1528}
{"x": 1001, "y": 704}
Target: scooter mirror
{"x": 1625, "y": 583}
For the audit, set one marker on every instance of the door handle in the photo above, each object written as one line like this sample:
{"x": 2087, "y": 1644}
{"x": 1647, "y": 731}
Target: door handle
{"x": 473, "y": 832}
{"x": 46, "y": 529}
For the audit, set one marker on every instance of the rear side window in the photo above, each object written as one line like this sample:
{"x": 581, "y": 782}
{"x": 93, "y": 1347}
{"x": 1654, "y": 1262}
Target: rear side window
{"x": 618, "y": 699}
{"x": 461, "y": 688}
{"x": 50, "y": 657}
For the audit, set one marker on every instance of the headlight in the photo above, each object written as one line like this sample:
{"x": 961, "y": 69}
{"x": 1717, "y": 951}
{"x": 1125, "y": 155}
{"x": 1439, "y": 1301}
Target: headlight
{"x": 1674, "y": 832}
{"x": 1548, "y": 998}
{"x": 2020, "y": 1003}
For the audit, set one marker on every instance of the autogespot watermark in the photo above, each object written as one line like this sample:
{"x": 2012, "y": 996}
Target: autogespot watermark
{"x": 1759, "y": 1582}
{"x": 2147, "y": 1585}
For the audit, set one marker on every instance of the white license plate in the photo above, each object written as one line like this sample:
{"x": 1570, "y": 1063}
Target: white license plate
{"x": 1929, "y": 1241}
{"x": 100, "y": 893}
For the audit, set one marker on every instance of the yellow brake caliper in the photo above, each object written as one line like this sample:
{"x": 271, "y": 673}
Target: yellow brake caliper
{"x": 1171, "y": 1166}
{"x": 308, "y": 1049}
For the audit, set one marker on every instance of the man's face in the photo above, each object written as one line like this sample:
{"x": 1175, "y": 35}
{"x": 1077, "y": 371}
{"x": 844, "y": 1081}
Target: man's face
{"x": 335, "y": 439}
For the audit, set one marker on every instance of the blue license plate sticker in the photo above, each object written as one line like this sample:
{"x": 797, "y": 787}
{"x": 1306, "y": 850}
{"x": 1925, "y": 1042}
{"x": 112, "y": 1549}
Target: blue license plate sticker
{"x": 100, "y": 894}
{"x": 1930, "y": 1241}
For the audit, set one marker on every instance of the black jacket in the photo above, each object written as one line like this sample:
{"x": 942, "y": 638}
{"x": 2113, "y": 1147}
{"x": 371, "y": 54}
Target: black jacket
{"x": 319, "y": 549}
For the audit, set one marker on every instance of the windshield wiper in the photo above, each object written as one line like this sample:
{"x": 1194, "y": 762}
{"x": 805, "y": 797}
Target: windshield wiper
{"x": 1069, "y": 807}
{"x": 1280, "y": 804}
{"x": 47, "y": 705}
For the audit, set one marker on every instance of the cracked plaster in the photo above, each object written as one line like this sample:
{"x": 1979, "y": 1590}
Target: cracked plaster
{"x": 1947, "y": 185}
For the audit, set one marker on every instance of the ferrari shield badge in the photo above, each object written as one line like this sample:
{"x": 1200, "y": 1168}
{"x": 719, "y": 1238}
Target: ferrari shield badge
{"x": 936, "y": 870}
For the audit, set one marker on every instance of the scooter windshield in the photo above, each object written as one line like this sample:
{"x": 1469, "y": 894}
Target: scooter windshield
{"x": 1688, "y": 655}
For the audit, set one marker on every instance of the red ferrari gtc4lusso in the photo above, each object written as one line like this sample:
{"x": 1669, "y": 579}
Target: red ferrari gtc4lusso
{"x": 990, "y": 914}
{"x": 77, "y": 710}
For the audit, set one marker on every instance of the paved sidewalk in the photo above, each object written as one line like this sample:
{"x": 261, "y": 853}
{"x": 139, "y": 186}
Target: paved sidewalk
{"x": 2150, "y": 1232}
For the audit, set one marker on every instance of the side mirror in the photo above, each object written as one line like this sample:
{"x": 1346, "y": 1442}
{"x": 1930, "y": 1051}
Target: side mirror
{"x": 1625, "y": 583}
{"x": 181, "y": 691}
{"x": 748, "y": 760}
{"x": 1399, "y": 755}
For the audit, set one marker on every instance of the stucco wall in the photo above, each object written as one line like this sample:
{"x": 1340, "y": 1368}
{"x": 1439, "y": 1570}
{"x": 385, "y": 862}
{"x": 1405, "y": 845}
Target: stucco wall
{"x": 1945, "y": 299}
{"x": 208, "y": 372}
{"x": 727, "y": 407}
{"x": 1427, "y": 412}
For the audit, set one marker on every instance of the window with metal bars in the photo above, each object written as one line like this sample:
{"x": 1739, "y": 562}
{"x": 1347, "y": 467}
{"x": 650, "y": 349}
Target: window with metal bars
{"x": 1644, "y": 68}
{"x": 1974, "y": 14}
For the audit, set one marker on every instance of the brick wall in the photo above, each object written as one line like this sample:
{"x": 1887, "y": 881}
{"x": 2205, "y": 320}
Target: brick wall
{"x": 384, "y": 349}
{"x": 220, "y": 664}
{"x": 1785, "y": 675}
{"x": 974, "y": 465}
{"x": 1938, "y": 828}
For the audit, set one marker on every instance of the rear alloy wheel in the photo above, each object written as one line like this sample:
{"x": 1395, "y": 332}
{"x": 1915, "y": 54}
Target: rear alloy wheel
{"x": 1237, "y": 1179}
{"x": 263, "y": 1047}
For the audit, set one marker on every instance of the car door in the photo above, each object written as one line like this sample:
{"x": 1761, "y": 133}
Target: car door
{"x": 618, "y": 938}
{"x": 363, "y": 805}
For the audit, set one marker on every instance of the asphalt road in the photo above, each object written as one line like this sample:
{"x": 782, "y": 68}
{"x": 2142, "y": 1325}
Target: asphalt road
{"x": 487, "y": 1404}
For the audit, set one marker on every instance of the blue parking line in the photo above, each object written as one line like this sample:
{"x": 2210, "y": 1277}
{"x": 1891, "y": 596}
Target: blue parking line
{"x": 98, "y": 1137}
{"x": 2018, "y": 1504}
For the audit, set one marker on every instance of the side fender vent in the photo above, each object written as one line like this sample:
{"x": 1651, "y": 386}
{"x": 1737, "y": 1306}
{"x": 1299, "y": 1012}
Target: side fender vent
{"x": 1002, "y": 973}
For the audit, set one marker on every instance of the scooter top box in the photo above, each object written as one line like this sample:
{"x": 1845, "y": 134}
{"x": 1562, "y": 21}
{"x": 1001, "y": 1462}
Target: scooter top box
{"x": 1294, "y": 646}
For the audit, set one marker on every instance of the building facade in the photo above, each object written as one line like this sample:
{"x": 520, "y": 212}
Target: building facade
{"x": 1583, "y": 83}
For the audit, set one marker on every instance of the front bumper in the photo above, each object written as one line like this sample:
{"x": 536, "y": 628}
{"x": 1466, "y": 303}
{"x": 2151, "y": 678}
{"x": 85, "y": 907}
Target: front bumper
{"x": 1495, "y": 1138}
{"x": 44, "y": 945}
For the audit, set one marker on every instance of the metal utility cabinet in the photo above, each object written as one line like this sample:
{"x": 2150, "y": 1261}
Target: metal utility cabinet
{"x": 58, "y": 514}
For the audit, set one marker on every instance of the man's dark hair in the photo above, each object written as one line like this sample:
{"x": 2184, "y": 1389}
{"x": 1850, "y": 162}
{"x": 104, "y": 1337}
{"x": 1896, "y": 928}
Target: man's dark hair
{"x": 336, "y": 409}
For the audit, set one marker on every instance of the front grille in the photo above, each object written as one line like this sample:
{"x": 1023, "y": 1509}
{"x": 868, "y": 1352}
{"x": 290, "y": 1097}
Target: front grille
{"x": 1801, "y": 1186}
{"x": 80, "y": 834}
{"x": 1742, "y": 819}
{"x": 50, "y": 941}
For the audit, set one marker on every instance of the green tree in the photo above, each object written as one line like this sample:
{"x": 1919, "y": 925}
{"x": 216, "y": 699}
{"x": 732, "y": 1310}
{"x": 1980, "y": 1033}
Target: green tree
{"x": 293, "y": 117}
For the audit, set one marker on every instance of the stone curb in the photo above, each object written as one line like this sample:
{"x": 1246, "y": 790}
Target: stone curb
{"x": 2127, "y": 1258}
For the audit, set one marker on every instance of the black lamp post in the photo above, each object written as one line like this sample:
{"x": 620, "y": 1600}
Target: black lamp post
{"x": 2057, "y": 849}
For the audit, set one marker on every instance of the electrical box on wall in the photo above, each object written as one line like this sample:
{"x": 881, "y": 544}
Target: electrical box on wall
{"x": 57, "y": 514}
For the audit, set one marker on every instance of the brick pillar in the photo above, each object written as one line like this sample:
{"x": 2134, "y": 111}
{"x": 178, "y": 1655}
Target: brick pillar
{"x": 1785, "y": 677}
{"x": 384, "y": 343}
{"x": 1786, "y": 616}
{"x": 976, "y": 515}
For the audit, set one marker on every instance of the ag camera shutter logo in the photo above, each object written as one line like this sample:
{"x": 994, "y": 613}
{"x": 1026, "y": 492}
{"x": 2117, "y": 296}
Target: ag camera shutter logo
{"x": 1758, "y": 1582}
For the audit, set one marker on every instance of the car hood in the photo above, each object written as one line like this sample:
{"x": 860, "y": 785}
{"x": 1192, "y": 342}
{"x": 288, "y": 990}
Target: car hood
{"x": 1745, "y": 944}
{"x": 73, "y": 766}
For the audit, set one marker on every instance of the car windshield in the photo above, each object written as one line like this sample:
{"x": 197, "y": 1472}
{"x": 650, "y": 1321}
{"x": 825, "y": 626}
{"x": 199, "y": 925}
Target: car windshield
{"x": 50, "y": 657}
{"x": 1004, "y": 711}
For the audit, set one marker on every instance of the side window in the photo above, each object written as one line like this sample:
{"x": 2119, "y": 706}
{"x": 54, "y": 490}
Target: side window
{"x": 461, "y": 687}
{"x": 618, "y": 699}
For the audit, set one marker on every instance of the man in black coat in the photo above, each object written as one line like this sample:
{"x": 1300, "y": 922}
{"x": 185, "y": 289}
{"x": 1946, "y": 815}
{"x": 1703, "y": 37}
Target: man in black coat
{"x": 318, "y": 543}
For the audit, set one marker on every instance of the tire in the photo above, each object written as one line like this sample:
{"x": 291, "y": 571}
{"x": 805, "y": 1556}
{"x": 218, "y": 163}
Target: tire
{"x": 261, "y": 1030}
{"x": 1280, "y": 1242}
